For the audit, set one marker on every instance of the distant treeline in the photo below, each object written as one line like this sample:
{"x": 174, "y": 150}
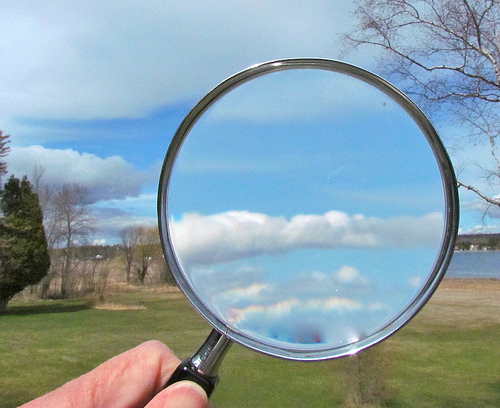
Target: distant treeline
{"x": 89, "y": 252}
{"x": 477, "y": 241}
{"x": 463, "y": 242}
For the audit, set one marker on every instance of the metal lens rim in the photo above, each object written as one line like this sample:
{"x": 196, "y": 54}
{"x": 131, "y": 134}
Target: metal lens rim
{"x": 449, "y": 187}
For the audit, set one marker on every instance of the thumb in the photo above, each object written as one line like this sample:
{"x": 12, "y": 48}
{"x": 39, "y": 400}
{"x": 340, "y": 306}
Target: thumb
{"x": 184, "y": 394}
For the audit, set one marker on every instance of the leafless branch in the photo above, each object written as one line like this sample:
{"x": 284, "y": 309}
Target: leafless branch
{"x": 447, "y": 53}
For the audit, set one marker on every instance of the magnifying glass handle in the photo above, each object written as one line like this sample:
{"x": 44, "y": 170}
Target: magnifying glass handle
{"x": 187, "y": 371}
{"x": 203, "y": 366}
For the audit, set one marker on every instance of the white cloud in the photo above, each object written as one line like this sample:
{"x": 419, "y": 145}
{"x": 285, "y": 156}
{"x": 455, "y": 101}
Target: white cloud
{"x": 477, "y": 216}
{"x": 233, "y": 235}
{"x": 415, "y": 281}
{"x": 492, "y": 228}
{"x": 97, "y": 59}
{"x": 349, "y": 274}
{"x": 251, "y": 292}
{"x": 105, "y": 178}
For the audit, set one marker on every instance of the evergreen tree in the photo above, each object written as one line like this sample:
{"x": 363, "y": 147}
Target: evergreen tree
{"x": 24, "y": 258}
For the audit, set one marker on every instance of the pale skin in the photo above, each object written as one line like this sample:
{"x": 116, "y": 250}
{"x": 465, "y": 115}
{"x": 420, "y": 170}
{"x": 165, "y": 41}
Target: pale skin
{"x": 133, "y": 379}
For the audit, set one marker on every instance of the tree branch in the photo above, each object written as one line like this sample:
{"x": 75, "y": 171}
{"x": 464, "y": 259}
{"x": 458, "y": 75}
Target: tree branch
{"x": 493, "y": 201}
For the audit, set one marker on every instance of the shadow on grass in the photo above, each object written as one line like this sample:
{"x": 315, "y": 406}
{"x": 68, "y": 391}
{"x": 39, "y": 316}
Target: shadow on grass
{"x": 495, "y": 388}
{"x": 11, "y": 398}
{"x": 44, "y": 308}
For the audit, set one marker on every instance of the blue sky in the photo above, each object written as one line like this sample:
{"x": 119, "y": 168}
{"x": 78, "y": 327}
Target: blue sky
{"x": 93, "y": 91}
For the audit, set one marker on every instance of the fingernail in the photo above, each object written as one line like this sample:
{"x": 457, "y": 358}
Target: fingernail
{"x": 186, "y": 394}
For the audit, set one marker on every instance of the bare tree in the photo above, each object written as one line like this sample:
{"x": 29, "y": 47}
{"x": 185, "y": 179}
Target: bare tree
{"x": 129, "y": 238}
{"x": 37, "y": 175}
{"x": 51, "y": 225}
{"x": 4, "y": 151}
{"x": 102, "y": 280}
{"x": 74, "y": 225}
{"x": 446, "y": 52}
{"x": 147, "y": 249}
{"x": 68, "y": 222}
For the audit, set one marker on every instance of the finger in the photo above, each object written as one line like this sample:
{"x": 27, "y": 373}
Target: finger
{"x": 128, "y": 380}
{"x": 184, "y": 394}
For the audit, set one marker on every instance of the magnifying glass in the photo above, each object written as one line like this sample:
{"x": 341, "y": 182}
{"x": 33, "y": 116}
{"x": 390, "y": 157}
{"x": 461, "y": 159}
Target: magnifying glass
{"x": 307, "y": 209}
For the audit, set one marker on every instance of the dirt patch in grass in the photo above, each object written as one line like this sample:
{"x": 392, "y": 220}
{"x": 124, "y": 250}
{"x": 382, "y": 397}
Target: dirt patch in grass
{"x": 471, "y": 292}
{"x": 117, "y": 306}
{"x": 129, "y": 288}
{"x": 481, "y": 285}
{"x": 471, "y": 302}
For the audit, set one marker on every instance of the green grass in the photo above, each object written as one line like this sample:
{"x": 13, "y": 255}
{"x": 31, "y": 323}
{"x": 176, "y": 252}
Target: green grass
{"x": 436, "y": 361}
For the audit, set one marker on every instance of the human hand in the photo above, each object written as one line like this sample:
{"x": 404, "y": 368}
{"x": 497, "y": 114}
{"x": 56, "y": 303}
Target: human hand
{"x": 133, "y": 379}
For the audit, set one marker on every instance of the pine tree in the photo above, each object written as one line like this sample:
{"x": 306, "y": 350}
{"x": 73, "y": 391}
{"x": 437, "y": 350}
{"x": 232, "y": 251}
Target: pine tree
{"x": 24, "y": 258}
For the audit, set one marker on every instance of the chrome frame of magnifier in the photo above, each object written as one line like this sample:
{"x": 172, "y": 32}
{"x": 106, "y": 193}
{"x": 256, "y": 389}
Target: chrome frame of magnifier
{"x": 208, "y": 357}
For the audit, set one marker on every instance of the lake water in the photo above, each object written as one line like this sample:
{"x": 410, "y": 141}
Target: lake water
{"x": 474, "y": 264}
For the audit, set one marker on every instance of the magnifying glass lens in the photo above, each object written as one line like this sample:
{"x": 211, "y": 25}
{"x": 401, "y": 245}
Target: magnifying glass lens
{"x": 307, "y": 208}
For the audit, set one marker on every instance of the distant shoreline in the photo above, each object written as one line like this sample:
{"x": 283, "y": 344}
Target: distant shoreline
{"x": 477, "y": 242}
{"x": 477, "y": 250}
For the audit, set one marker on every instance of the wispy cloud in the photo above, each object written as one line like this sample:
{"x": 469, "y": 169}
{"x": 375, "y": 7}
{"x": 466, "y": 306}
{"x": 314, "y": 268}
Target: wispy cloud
{"x": 316, "y": 309}
{"x": 119, "y": 58}
{"x": 299, "y": 97}
{"x": 116, "y": 214}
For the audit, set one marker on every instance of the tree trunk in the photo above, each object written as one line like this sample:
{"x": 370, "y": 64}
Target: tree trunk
{"x": 3, "y": 305}
{"x": 141, "y": 275}
{"x": 127, "y": 273}
{"x": 65, "y": 273}
{"x": 44, "y": 289}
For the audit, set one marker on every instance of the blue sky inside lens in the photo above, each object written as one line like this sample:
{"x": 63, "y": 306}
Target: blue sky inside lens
{"x": 347, "y": 199}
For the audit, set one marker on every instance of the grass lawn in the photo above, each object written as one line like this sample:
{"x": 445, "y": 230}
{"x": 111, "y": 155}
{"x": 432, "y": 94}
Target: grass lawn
{"x": 448, "y": 356}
